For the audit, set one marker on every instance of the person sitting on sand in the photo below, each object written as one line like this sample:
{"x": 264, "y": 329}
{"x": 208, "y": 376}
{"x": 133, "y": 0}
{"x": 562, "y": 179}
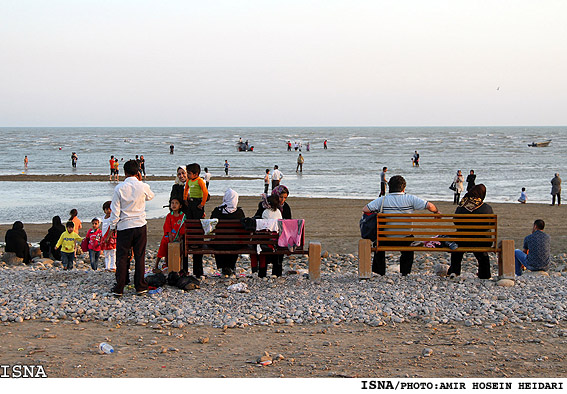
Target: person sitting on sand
{"x": 536, "y": 255}
{"x": 17, "y": 242}
{"x": 472, "y": 204}
{"x": 47, "y": 244}
{"x": 397, "y": 201}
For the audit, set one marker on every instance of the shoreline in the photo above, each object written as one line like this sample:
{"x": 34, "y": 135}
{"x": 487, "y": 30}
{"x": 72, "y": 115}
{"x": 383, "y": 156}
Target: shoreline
{"x": 334, "y": 222}
{"x": 98, "y": 178}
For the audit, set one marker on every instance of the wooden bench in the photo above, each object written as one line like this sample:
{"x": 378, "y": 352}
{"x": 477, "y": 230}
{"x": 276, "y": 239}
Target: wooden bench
{"x": 232, "y": 233}
{"x": 428, "y": 227}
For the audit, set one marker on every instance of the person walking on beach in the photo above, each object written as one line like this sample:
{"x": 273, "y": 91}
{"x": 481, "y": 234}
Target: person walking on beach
{"x": 397, "y": 201}
{"x": 94, "y": 238}
{"x": 536, "y": 255}
{"x": 556, "y": 189}
{"x": 26, "y": 163}
{"x": 68, "y": 244}
{"x": 226, "y": 166}
{"x": 300, "y": 161}
{"x": 128, "y": 221}
{"x": 207, "y": 177}
{"x": 276, "y": 177}
{"x": 458, "y": 182}
{"x": 266, "y": 181}
{"x": 470, "y": 180}
{"x": 383, "y": 182}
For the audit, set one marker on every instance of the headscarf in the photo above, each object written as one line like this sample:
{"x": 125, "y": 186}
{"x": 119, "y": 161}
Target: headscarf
{"x": 229, "y": 201}
{"x": 474, "y": 198}
{"x": 177, "y": 180}
{"x": 277, "y": 191}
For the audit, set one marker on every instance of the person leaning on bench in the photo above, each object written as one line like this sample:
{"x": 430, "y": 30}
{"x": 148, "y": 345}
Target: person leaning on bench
{"x": 396, "y": 202}
{"x": 537, "y": 250}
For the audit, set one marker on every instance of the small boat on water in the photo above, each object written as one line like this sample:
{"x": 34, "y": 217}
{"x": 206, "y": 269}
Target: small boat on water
{"x": 541, "y": 144}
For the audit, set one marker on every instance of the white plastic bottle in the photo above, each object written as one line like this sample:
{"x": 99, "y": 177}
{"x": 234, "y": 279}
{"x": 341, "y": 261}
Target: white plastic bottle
{"x": 106, "y": 348}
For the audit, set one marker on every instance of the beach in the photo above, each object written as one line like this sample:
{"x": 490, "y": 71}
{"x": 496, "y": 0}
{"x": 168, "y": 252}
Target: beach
{"x": 418, "y": 327}
{"x": 334, "y": 222}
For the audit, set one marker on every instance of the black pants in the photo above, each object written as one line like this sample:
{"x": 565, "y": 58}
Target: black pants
{"x": 194, "y": 212}
{"x": 406, "y": 258}
{"x": 382, "y": 189}
{"x": 275, "y": 184}
{"x": 456, "y": 198}
{"x": 558, "y": 199}
{"x": 135, "y": 239}
{"x": 266, "y": 186}
{"x": 483, "y": 264}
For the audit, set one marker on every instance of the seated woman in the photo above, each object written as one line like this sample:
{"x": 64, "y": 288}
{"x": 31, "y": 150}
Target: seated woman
{"x": 281, "y": 193}
{"x": 472, "y": 204}
{"x": 17, "y": 242}
{"x": 47, "y": 244}
{"x": 228, "y": 210}
{"x": 178, "y": 188}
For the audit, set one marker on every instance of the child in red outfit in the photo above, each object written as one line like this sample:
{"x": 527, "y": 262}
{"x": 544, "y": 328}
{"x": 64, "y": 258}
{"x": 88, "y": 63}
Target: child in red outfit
{"x": 173, "y": 229}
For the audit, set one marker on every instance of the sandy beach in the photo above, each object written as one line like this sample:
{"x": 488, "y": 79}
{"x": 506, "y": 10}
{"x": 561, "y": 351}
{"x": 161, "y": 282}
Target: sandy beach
{"x": 416, "y": 347}
{"x": 334, "y": 222}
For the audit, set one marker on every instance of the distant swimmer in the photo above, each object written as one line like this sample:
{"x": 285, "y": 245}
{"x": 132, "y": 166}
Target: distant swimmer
{"x": 171, "y": 147}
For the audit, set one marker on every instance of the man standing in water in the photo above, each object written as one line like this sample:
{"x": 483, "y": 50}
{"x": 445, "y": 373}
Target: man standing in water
{"x": 300, "y": 161}
{"x": 128, "y": 222}
{"x": 416, "y": 159}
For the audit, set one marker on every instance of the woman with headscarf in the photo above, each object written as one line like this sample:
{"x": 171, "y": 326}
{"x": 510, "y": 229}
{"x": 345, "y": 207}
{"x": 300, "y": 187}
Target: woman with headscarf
{"x": 178, "y": 188}
{"x": 17, "y": 242}
{"x": 459, "y": 186}
{"x": 473, "y": 204}
{"x": 281, "y": 192}
{"x": 47, "y": 244}
{"x": 228, "y": 210}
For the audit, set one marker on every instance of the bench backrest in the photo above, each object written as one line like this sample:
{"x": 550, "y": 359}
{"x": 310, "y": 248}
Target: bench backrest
{"x": 230, "y": 233}
{"x": 436, "y": 227}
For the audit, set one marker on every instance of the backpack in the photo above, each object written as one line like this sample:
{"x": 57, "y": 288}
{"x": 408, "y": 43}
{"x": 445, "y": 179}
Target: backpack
{"x": 368, "y": 226}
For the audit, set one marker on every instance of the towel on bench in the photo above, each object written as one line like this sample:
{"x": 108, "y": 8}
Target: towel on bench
{"x": 291, "y": 233}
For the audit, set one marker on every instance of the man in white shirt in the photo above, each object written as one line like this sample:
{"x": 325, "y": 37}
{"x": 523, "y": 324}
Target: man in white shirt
{"x": 128, "y": 220}
{"x": 276, "y": 177}
{"x": 397, "y": 201}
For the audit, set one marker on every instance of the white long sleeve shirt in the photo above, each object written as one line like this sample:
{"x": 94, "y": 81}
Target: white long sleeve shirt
{"x": 128, "y": 204}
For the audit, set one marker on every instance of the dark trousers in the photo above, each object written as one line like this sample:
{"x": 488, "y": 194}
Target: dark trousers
{"x": 194, "y": 212}
{"x": 135, "y": 239}
{"x": 275, "y": 184}
{"x": 406, "y": 258}
{"x": 382, "y": 189}
{"x": 456, "y": 198}
{"x": 266, "y": 186}
{"x": 558, "y": 199}
{"x": 483, "y": 264}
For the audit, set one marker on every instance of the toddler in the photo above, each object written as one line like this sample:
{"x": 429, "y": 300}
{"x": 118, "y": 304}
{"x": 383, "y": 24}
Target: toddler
{"x": 94, "y": 238}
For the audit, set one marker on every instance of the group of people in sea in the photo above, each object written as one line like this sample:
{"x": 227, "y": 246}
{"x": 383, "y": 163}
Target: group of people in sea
{"x": 115, "y": 167}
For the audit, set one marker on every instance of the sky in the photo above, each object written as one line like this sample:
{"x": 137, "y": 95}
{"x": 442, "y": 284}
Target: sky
{"x": 283, "y": 63}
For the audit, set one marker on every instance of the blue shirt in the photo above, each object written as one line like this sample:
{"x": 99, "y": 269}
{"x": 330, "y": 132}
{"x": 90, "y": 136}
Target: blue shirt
{"x": 538, "y": 245}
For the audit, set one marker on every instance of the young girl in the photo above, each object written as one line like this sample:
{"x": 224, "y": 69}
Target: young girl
{"x": 73, "y": 213}
{"x": 173, "y": 229}
{"x": 272, "y": 212}
{"x": 108, "y": 242}
{"x": 94, "y": 238}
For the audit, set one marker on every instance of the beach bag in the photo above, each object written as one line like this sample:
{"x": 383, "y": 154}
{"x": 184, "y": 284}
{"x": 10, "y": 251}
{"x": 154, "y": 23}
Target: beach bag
{"x": 188, "y": 283}
{"x": 368, "y": 226}
{"x": 453, "y": 187}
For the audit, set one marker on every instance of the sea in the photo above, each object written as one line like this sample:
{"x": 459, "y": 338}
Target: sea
{"x": 349, "y": 169}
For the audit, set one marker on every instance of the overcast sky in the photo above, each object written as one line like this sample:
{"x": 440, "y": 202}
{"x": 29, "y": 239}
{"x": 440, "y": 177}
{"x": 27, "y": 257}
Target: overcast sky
{"x": 283, "y": 63}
